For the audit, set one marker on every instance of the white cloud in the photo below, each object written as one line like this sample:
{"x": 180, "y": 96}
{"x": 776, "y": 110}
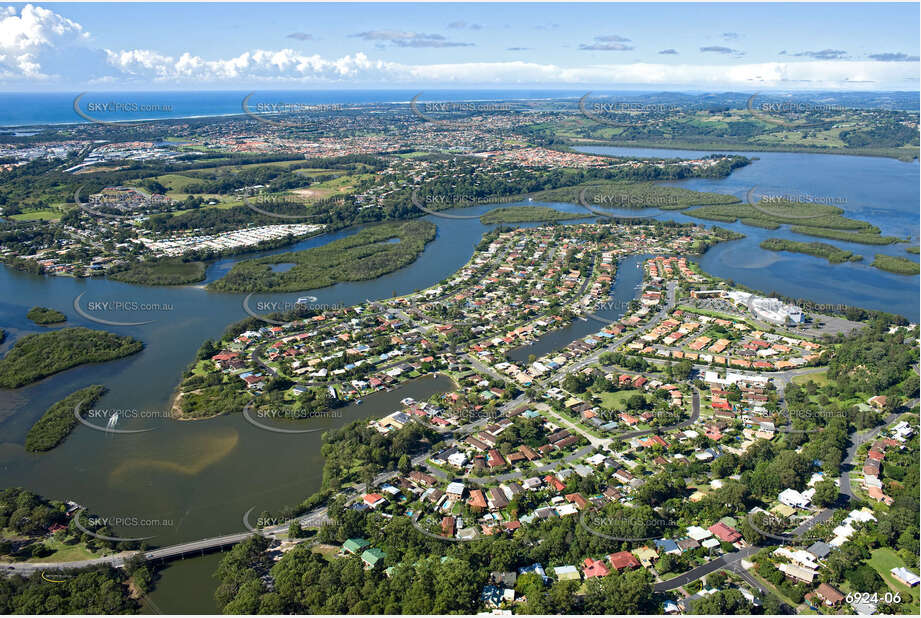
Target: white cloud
{"x": 38, "y": 46}
{"x": 30, "y": 40}
{"x": 290, "y": 66}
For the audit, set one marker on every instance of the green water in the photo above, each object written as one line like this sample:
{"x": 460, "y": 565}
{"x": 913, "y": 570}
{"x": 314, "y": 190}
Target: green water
{"x": 185, "y": 587}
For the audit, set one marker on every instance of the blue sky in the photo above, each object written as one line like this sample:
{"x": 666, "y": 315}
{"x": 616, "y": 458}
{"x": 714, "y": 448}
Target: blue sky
{"x": 683, "y": 46}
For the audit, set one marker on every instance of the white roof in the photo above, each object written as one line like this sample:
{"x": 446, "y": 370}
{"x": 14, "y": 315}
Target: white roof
{"x": 698, "y": 534}
{"x": 566, "y": 509}
{"x": 905, "y": 575}
{"x": 455, "y": 488}
{"x": 709, "y": 543}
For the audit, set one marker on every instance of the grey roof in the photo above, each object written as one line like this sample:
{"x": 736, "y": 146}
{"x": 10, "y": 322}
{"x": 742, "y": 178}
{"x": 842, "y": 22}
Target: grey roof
{"x": 819, "y": 549}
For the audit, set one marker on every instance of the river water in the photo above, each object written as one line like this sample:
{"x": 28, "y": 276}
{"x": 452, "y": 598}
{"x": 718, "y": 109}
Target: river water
{"x": 882, "y": 191}
{"x": 196, "y": 479}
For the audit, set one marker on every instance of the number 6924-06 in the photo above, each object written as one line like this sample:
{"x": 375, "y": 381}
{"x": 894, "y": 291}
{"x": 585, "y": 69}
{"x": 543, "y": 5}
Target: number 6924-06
{"x": 873, "y": 597}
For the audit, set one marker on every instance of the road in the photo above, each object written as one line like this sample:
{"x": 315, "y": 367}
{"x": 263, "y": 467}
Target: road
{"x": 314, "y": 518}
{"x": 724, "y": 561}
{"x": 859, "y": 438}
{"x": 731, "y": 560}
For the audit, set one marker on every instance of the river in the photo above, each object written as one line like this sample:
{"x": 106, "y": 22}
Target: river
{"x": 882, "y": 191}
{"x": 196, "y": 479}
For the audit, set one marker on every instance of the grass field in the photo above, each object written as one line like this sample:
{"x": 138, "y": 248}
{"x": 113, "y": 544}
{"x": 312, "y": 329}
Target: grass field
{"x": 883, "y": 560}
{"x": 327, "y": 551}
{"x": 618, "y": 400}
{"x": 66, "y": 553}
{"x": 821, "y": 379}
{"x": 897, "y": 265}
{"x": 166, "y": 272}
{"x": 37, "y": 215}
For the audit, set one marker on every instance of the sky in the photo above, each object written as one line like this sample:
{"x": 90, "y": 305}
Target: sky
{"x": 685, "y": 46}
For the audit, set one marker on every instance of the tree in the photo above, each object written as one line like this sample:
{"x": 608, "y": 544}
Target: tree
{"x": 724, "y": 602}
{"x": 627, "y": 593}
{"x": 826, "y": 492}
{"x": 404, "y": 465}
{"x": 367, "y": 476}
{"x": 294, "y": 530}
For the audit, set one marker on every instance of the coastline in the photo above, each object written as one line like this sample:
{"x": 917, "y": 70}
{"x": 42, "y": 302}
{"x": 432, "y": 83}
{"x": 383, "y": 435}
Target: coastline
{"x": 734, "y": 148}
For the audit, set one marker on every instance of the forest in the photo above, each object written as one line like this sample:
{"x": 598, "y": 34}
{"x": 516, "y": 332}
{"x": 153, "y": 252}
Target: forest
{"x": 59, "y": 420}
{"x": 36, "y": 356}
{"x": 364, "y": 255}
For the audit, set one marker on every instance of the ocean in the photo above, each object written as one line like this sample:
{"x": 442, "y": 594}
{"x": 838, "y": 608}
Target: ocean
{"x": 25, "y": 109}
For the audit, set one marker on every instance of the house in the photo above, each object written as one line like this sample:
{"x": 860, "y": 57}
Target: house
{"x": 533, "y": 484}
{"x": 457, "y": 459}
{"x": 697, "y": 533}
{"x": 667, "y": 546}
{"x": 567, "y": 573}
{"x": 797, "y": 573}
{"x": 512, "y": 490}
{"x": 447, "y": 526}
{"x": 374, "y": 500}
{"x": 493, "y": 596}
{"x": 877, "y": 494}
{"x": 421, "y": 478}
{"x": 528, "y": 452}
{"x": 477, "y": 500}
{"x": 879, "y": 402}
{"x": 905, "y": 576}
{"x": 830, "y": 595}
{"x": 455, "y": 491}
{"x": 577, "y": 498}
{"x": 372, "y": 557}
{"x": 554, "y": 482}
{"x": 594, "y": 568}
{"x": 354, "y": 546}
{"x": 819, "y": 549}
{"x": 534, "y": 568}
{"x": 494, "y": 459}
{"x": 496, "y": 499}
{"x": 794, "y": 499}
{"x": 725, "y": 533}
{"x": 623, "y": 560}
{"x": 646, "y": 556}
{"x": 863, "y": 605}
